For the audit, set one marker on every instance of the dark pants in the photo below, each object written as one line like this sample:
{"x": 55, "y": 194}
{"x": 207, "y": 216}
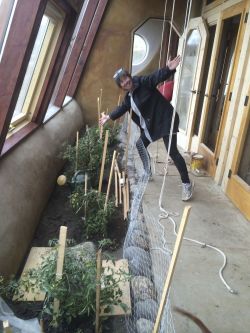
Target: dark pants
{"x": 174, "y": 153}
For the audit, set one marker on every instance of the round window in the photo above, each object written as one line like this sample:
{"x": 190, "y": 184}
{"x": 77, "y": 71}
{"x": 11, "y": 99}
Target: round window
{"x": 139, "y": 50}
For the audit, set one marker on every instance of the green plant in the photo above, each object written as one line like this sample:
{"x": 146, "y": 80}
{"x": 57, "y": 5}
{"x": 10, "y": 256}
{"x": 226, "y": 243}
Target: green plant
{"x": 75, "y": 291}
{"x": 97, "y": 218}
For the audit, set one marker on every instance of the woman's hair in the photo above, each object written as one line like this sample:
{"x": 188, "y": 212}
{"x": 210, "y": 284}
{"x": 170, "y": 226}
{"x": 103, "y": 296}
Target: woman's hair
{"x": 119, "y": 74}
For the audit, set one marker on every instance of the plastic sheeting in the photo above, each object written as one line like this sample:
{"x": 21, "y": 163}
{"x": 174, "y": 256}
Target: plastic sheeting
{"x": 18, "y": 325}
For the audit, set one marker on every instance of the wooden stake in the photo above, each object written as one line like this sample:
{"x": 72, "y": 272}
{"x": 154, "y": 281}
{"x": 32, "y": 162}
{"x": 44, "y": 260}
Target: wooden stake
{"x": 119, "y": 183}
{"x": 98, "y": 290}
{"x": 119, "y": 100}
{"x": 172, "y": 267}
{"x": 85, "y": 193}
{"x": 6, "y": 327}
{"x": 116, "y": 186}
{"x": 110, "y": 179}
{"x": 127, "y": 195}
{"x": 41, "y": 325}
{"x": 77, "y": 149}
{"x": 128, "y": 138}
{"x": 98, "y": 110}
{"x": 103, "y": 160}
{"x": 124, "y": 196}
{"x": 101, "y": 127}
{"x": 60, "y": 261}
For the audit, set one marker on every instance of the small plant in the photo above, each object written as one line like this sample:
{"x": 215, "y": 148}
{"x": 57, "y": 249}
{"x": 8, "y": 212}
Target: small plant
{"x": 75, "y": 291}
{"x": 97, "y": 218}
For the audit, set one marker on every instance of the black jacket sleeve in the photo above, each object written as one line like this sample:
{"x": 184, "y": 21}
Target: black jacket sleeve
{"x": 121, "y": 110}
{"x": 156, "y": 77}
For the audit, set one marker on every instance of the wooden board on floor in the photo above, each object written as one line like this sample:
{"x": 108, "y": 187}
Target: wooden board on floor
{"x": 34, "y": 260}
{"x": 124, "y": 286}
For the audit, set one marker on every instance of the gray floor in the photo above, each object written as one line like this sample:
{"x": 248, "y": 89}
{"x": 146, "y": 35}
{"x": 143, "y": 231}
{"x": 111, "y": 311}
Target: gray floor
{"x": 196, "y": 285}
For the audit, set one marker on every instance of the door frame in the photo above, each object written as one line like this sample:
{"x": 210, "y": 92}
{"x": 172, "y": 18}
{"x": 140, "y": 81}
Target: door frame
{"x": 212, "y": 158}
{"x": 185, "y": 136}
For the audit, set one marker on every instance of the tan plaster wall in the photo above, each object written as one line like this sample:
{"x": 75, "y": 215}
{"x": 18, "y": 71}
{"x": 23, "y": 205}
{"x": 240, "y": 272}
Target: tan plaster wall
{"x": 112, "y": 49}
{"x": 27, "y": 177}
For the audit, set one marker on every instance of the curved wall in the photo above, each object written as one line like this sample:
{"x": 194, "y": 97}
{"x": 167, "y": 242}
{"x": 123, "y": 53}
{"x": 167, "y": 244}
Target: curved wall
{"x": 27, "y": 177}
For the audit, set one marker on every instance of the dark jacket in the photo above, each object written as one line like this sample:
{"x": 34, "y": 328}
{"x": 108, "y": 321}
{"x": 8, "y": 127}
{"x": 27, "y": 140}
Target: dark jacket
{"x": 155, "y": 109}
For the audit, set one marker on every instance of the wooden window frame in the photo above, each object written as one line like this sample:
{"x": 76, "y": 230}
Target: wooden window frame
{"x": 14, "y": 62}
{"x": 70, "y": 55}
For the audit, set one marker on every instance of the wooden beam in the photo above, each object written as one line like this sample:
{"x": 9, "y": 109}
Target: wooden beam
{"x": 87, "y": 47}
{"x": 73, "y": 53}
{"x": 172, "y": 267}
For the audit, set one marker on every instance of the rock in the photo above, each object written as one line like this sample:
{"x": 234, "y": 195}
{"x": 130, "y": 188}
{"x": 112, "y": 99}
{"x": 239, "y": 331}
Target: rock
{"x": 144, "y": 326}
{"x": 146, "y": 309}
{"x": 142, "y": 288}
{"x": 134, "y": 252}
{"x": 86, "y": 250}
{"x": 139, "y": 239}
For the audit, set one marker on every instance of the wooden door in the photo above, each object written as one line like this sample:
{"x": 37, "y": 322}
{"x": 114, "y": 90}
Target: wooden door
{"x": 231, "y": 30}
{"x": 189, "y": 82}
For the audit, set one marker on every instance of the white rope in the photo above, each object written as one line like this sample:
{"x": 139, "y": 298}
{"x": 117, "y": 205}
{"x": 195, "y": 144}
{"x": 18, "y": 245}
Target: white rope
{"x": 167, "y": 214}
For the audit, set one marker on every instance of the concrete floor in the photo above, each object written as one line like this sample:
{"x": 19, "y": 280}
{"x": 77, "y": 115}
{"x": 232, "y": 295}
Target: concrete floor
{"x": 196, "y": 285}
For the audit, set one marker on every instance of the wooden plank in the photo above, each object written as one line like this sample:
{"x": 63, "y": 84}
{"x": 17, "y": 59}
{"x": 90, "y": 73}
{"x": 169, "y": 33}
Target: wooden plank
{"x": 34, "y": 260}
{"x": 121, "y": 264}
{"x": 172, "y": 265}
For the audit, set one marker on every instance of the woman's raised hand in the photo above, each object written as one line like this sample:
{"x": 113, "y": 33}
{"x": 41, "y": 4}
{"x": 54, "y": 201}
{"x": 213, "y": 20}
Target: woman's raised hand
{"x": 172, "y": 64}
{"x": 103, "y": 119}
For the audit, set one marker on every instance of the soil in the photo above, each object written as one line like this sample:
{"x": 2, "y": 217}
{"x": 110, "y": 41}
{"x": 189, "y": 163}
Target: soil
{"x": 59, "y": 213}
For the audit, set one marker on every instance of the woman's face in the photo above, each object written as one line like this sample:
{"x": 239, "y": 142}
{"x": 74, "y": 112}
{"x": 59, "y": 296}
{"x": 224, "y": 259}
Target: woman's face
{"x": 126, "y": 83}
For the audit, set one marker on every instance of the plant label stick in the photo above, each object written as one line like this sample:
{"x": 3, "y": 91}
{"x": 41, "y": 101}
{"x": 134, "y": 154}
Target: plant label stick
{"x": 103, "y": 160}
{"x": 110, "y": 179}
{"x": 172, "y": 265}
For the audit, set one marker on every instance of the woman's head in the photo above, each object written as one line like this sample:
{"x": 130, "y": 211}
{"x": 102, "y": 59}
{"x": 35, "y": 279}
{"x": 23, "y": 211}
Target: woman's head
{"x": 123, "y": 79}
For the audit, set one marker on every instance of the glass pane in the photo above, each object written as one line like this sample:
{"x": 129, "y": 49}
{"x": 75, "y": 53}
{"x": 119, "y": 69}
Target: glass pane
{"x": 7, "y": 8}
{"x": 244, "y": 169}
{"x": 31, "y": 66}
{"x": 187, "y": 76}
{"x": 139, "y": 50}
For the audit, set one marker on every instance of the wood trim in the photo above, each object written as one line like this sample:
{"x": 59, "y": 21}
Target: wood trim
{"x": 15, "y": 138}
{"x": 74, "y": 52}
{"x": 15, "y": 59}
{"x": 54, "y": 68}
{"x": 87, "y": 47}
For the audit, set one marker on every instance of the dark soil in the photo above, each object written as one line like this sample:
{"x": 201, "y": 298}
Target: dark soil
{"x": 59, "y": 213}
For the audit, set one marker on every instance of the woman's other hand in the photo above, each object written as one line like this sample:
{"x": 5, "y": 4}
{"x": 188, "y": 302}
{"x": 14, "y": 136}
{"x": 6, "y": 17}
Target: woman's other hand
{"x": 172, "y": 64}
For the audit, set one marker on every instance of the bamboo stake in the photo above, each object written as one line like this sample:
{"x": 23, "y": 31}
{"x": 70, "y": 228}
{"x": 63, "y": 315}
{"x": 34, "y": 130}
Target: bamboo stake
{"x": 110, "y": 179}
{"x": 98, "y": 109}
{"x": 60, "y": 261}
{"x": 119, "y": 100}
{"x": 101, "y": 127}
{"x": 77, "y": 149}
{"x": 98, "y": 290}
{"x": 103, "y": 160}
{"x": 128, "y": 138}
{"x": 170, "y": 273}
{"x": 116, "y": 186}
{"x": 124, "y": 196}
{"x": 6, "y": 327}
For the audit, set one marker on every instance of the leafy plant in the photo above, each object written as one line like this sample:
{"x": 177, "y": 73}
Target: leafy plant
{"x": 75, "y": 291}
{"x": 97, "y": 218}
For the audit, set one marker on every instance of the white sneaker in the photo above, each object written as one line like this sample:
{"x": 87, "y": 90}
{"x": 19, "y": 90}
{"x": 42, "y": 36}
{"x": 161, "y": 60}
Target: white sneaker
{"x": 187, "y": 191}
